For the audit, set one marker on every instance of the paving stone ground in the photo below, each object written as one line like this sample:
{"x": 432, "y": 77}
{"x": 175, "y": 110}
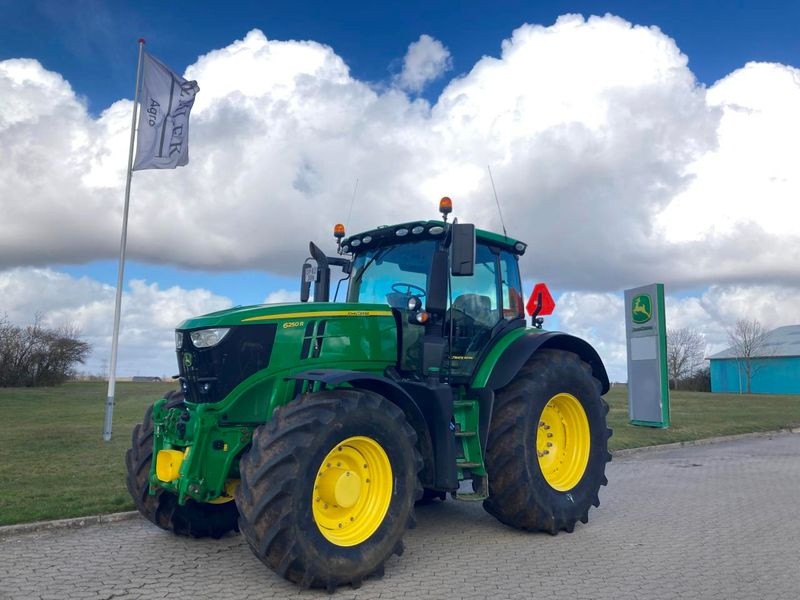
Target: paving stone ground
{"x": 715, "y": 521}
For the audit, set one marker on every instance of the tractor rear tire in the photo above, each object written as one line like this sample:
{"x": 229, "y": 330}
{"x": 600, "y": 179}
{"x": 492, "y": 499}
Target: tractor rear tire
{"x": 548, "y": 445}
{"x": 328, "y": 488}
{"x": 194, "y": 519}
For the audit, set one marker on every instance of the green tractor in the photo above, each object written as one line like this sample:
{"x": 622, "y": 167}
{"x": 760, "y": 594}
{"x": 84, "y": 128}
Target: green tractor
{"x": 314, "y": 428}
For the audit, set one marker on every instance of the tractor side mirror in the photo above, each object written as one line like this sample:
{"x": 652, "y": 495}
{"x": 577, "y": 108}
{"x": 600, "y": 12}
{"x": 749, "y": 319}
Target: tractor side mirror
{"x": 462, "y": 249}
{"x": 436, "y": 300}
{"x": 322, "y": 279}
{"x": 308, "y": 275}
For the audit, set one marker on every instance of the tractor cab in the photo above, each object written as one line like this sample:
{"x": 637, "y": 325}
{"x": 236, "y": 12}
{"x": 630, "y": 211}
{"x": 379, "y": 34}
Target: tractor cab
{"x": 452, "y": 288}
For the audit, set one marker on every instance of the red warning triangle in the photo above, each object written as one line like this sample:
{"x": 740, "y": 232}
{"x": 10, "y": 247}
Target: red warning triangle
{"x": 540, "y": 297}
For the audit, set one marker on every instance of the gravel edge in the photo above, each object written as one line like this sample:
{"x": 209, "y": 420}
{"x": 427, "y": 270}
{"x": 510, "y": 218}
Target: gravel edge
{"x": 75, "y": 523}
{"x": 704, "y": 441}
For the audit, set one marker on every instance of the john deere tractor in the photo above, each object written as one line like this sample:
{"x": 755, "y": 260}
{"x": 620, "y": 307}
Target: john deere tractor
{"x": 314, "y": 428}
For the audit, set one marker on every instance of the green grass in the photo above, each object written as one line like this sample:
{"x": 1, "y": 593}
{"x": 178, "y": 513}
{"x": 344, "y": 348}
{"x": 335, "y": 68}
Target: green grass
{"x": 699, "y": 415}
{"x": 53, "y": 460}
{"x": 54, "y": 463}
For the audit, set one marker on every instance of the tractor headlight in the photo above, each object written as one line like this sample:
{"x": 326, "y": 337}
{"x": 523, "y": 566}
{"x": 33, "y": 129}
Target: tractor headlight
{"x": 205, "y": 338}
{"x": 178, "y": 340}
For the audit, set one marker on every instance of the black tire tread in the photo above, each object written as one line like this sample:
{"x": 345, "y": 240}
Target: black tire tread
{"x": 273, "y": 463}
{"x": 512, "y": 498}
{"x": 194, "y": 519}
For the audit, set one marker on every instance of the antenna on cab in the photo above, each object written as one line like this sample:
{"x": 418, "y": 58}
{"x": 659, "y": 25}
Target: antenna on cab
{"x": 497, "y": 201}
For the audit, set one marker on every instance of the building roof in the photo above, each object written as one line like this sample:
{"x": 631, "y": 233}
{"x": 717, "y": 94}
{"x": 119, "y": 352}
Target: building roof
{"x": 783, "y": 341}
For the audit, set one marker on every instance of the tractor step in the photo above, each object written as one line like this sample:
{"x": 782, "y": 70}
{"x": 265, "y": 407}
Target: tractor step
{"x": 471, "y": 497}
{"x": 466, "y": 415}
{"x": 472, "y": 471}
{"x": 480, "y": 491}
{"x": 468, "y": 465}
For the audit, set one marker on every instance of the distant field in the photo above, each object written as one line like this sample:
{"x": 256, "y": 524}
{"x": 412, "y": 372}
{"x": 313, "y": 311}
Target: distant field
{"x": 54, "y": 463}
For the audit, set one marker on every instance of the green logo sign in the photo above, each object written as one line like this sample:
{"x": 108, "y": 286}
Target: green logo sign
{"x": 642, "y": 308}
{"x": 187, "y": 359}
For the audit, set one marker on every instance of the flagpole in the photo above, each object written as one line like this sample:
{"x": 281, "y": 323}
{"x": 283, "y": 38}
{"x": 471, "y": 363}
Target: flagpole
{"x": 121, "y": 269}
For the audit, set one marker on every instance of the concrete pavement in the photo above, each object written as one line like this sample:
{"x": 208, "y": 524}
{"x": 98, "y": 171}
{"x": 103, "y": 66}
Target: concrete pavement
{"x": 714, "y": 521}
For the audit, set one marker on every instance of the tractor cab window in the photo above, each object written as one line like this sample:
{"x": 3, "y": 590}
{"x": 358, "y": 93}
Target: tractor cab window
{"x": 392, "y": 274}
{"x": 513, "y": 304}
{"x": 493, "y": 293}
{"x": 475, "y": 307}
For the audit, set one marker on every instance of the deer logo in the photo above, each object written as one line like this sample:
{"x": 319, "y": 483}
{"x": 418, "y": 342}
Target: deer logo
{"x": 642, "y": 308}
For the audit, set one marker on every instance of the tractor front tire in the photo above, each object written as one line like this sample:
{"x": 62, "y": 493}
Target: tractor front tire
{"x": 328, "y": 488}
{"x": 548, "y": 445}
{"x": 195, "y": 519}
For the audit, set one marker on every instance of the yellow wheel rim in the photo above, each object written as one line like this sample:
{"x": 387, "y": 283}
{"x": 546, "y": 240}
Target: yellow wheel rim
{"x": 352, "y": 491}
{"x": 563, "y": 441}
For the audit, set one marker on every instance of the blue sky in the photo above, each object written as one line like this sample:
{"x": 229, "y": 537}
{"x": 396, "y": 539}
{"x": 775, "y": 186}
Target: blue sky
{"x": 93, "y": 43}
{"x": 619, "y": 163}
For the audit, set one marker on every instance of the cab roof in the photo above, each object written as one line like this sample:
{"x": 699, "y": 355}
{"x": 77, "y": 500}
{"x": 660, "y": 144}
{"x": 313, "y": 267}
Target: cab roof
{"x": 420, "y": 230}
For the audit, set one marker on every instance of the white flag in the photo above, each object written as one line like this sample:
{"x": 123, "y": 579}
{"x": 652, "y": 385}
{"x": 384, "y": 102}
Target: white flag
{"x": 166, "y": 100}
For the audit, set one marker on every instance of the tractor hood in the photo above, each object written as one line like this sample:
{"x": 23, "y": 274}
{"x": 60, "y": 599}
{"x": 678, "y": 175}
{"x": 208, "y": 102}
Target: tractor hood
{"x": 220, "y": 351}
{"x": 272, "y": 313}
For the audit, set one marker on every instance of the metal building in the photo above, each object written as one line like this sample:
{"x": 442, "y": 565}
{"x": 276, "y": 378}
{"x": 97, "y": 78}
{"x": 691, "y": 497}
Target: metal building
{"x": 775, "y": 371}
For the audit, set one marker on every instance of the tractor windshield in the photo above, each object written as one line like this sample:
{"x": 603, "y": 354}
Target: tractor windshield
{"x": 391, "y": 274}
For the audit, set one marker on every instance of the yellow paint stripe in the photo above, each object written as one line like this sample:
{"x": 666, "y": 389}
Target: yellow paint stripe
{"x": 328, "y": 313}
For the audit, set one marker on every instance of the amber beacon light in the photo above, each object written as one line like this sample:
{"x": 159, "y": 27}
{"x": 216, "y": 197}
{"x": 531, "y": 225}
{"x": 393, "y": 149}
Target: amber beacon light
{"x": 445, "y": 206}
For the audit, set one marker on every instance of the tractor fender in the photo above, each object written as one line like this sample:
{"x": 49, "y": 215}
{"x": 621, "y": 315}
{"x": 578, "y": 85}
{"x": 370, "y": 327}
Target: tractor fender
{"x": 520, "y": 350}
{"x": 390, "y": 390}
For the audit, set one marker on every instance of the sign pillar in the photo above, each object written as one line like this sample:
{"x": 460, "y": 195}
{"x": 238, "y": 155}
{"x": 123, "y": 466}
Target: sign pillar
{"x": 646, "y": 333}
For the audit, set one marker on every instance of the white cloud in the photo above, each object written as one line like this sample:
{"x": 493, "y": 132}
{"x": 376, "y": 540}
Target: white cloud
{"x": 590, "y": 127}
{"x": 750, "y": 179}
{"x": 149, "y": 315}
{"x": 281, "y": 296}
{"x": 426, "y": 60}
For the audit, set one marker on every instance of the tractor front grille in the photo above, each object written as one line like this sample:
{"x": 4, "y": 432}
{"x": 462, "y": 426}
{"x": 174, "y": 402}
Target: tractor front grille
{"x": 209, "y": 374}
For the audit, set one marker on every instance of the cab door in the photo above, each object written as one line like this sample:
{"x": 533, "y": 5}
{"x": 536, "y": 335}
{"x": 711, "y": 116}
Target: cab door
{"x": 479, "y": 305}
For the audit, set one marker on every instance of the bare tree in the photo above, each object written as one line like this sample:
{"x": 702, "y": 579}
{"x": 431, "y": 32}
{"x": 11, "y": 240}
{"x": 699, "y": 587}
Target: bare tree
{"x": 36, "y": 355}
{"x": 748, "y": 342}
{"x": 685, "y": 348}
